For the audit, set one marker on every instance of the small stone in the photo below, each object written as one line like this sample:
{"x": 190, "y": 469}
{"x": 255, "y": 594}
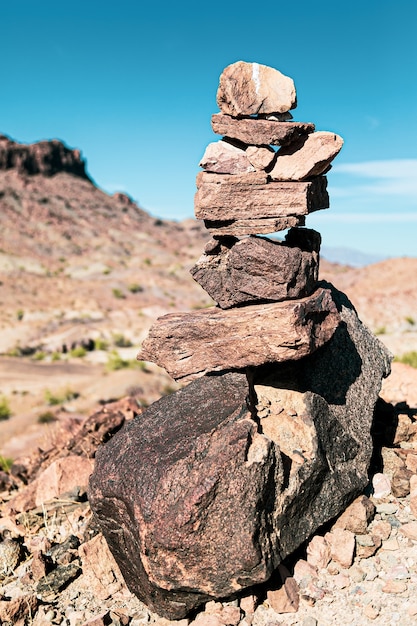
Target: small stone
{"x": 412, "y": 610}
{"x": 357, "y": 516}
{"x": 341, "y": 581}
{"x": 381, "y": 485}
{"x": 400, "y": 483}
{"x": 381, "y": 528}
{"x": 342, "y": 546}
{"x": 371, "y": 611}
{"x": 10, "y": 554}
{"x": 399, "y": 572}
{"x": 390, "y": 461}
{"x": 394, "y": 586}
{"x": 304, "y": 572}
{"x": 248, "y": 604}
{"x": 390, "y": 544}
{"x": 409, "y": 530}
{"x": 386, "y": 508}
{"x": 402, "y": 432}
{"x": 411, "y": 462}
{"x": 309, "y": 621}
{"x": 38, "y": 566}
{"x": 286, "y": 599}
{"x": 318, "y": 552}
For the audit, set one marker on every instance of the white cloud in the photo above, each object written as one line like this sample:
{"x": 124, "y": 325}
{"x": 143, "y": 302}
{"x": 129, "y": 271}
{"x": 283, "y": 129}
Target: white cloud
{"x": 396, "y": 177}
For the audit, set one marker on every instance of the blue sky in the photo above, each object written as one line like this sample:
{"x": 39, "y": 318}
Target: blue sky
{"x": 134, "y": 88}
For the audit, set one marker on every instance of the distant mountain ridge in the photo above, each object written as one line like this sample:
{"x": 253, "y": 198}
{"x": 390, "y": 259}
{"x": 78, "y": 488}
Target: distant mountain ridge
{"x": 349, "y": 256}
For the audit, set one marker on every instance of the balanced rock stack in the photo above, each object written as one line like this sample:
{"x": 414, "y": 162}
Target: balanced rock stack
{"x": 207, "y": 491}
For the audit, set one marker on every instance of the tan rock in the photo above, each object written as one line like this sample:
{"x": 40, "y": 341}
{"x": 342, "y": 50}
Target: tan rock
{"x": 248, "y": 604}
{"x": 38, "y": 566}
{"x": 311, "y": 158}
{"x": 409, "y": 530}
{"x": 394, "y": 586}
{"x": 303, "y": 570}
{"x": 400, "y": 482}
{"x": 381, "y": 529}
{"x": 225, "y": 197}
{"x": 189, "y": 345}
{"x": 101, "y": 574}
{"x": 251, "y": 88}
{"x": 286, "y": 599}
{"x": 402, "y": 431}
{"x": 260, "y": 157}
{"x": 381, "y": 485}
{"x": 342, "y": 546}
{"x": 224, "y": 158}
{"x": 390, "y": 461}
{"x": 364, "y": 550}
{"x": 62, "y": 476}
{"x": 357, "y": 516}
{"x": 18, "y": 610}
{"x": 259, "y": 132}
{"x": 318, "y": 552}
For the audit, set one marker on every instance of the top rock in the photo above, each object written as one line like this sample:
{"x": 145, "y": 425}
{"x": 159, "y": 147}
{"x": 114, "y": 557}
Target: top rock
{"x": 253, "y": 89}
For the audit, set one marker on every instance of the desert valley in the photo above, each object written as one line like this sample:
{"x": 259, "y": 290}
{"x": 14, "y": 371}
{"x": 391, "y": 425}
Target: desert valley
{"x": 83, "y": 275}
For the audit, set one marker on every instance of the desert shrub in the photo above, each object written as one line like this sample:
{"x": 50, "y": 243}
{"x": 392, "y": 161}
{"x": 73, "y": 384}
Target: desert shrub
{"x": 56, "y": 356}
{"x": 78, "y": 352}
{"x": 381, "y": 330}
{"x": 410, "y": 320}
{"x": 100, "y": 344}
{"x": 107, "y": 271}
{"x": 118, "y": 293}
{"x": 5, "y": 463}
{"x": 46, "y": 417}
{"x": 5, "y": 411}
{"x": 20, "y": 314}
{"x": 409, "y": 358}
{"x": 39, "y": 355}
{"x": 135, "y": 288}
{"x": 121, "y": 341}
{"x": 115, "y": 362}
{"x": 147, "y": 261}
{"x": 66, "y": 395}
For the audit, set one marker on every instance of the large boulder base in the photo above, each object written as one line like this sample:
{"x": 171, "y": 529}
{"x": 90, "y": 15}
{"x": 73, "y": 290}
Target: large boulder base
{"x": 200, "y": 497}
{"x": 256, "y": 269}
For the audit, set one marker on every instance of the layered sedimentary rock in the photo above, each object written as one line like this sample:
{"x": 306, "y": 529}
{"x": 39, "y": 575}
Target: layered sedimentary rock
{"x": 188, "y": 345}
{"x": 273, "y": 437}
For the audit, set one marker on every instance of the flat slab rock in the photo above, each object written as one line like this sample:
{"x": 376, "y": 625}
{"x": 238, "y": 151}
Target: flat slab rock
{"x": 252, "y": 196}
{"x": 251, "y": 88}
{"x": 189, "y": 345}
{"x": 255, "y": 131}
{"x": 201, "y": 498}
{"x": 253, "y": 226}
{"x": 253, "y": 269}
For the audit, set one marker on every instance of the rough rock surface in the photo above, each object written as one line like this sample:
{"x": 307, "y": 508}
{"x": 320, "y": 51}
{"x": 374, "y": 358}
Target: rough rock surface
{"x": 225, "y": 158}
{"x": 274, "y": 473}
{"x": 251, "y": 88}
{"x": 44, "y": 157}
{"x": 250, "y": 196}
{"x": 210, "y": 469}
{"x": 306, "y": 158}
{"x": 260, "y": 157}
{"x": 189, "y": 345}
{"x": 253, "y": 226}
{"x": 259, "y": 131}
{"x": 254, "y": 269}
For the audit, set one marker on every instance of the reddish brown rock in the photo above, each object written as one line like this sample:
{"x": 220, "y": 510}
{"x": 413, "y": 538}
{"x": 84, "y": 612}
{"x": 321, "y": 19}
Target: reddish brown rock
{"x": 318, "y": 552}
{"x": 259, "y": 131}
{"x": 251, "y": 88}
{"x": 257, "y": 269}
{"x": 223, "y": 157}
{"x": 188, "y": 345}
{"x": 101, "y": 574}
{"x": 286, "y": 599}
{"x": 251, "y": 196}
{"x": 309, "y": 157}
{"x": 257, "y": 226}
{"x": 18, "y": 610}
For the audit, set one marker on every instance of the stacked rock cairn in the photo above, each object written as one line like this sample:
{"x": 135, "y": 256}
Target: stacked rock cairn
{"x": 204, "y": 494}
